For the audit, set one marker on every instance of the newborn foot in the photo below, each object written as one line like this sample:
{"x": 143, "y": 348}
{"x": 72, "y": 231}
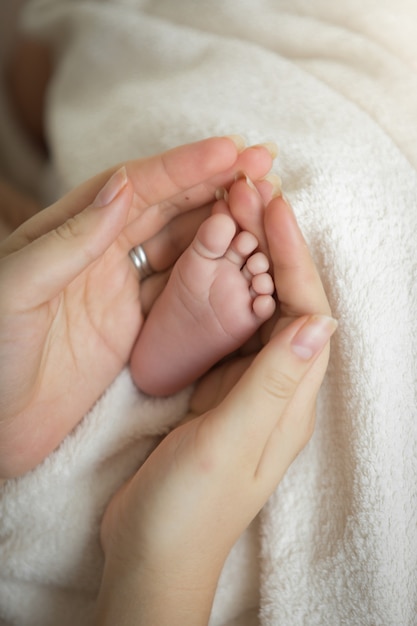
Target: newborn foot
{"x": 218, "y": 294}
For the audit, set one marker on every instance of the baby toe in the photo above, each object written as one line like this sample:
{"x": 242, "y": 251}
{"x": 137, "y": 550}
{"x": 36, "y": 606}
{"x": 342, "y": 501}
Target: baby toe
{"x": 263, "y": 284}
{"x": 214, "y": 236}
{"x": 257, "y": 263}
{"x": 264, "y": 307}
{"x": 241, "y": 247}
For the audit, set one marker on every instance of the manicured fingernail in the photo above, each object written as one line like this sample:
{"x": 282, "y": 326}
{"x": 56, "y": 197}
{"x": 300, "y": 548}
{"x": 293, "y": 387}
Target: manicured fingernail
{"x": 271, "y": 146}
{"x": 111, "y": 189}
{"x": 313, "y": 336}
{"x": 276, "y": 183}
{"x": 239, "y": 142}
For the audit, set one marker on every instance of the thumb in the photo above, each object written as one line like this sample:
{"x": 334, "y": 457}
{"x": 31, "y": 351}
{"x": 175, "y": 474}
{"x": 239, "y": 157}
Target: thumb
{"x": 48, "y": 264}
{"x": 257, "y": 403}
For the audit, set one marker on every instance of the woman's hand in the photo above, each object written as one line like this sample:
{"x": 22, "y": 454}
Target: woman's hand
{"x": 70, "y": 305}
{"x": 167, "y": 532}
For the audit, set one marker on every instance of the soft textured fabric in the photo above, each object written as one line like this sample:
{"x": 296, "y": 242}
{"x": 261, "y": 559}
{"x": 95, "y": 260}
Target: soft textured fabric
{"x": 335, "y": 84}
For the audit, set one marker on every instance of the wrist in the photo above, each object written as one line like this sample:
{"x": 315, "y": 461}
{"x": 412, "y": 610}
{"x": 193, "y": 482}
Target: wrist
{"x": 164, "y": 593}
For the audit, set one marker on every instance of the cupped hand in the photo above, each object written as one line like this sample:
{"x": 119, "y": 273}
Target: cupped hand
{"x": 176, "y": 520}
{"x": 70, "y": 306}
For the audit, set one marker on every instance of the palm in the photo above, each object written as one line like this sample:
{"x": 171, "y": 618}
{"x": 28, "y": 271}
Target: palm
{"x": 71, "y": 349}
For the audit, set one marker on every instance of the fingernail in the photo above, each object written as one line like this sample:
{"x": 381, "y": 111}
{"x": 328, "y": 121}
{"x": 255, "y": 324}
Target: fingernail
{"x": 250, "y": 184}
{"x": 276, "y": 183}
{"x": 242, "y": 176}
{"x": 222, "y": 194}
{"x": 239, "y": 142}
{"x": 111, "y": 189}
{"x": 313, "y": 336}
{"x": 271, "y": 146}
{"x": 239, "y": 176}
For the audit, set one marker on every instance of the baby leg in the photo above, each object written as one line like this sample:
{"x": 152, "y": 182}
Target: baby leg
{"x": 218, "y": 294}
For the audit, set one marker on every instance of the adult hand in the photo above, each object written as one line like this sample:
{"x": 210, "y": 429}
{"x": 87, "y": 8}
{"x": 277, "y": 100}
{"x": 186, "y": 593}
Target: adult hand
{"x": 70, "y": 308}
{"x": 167, "y": 532}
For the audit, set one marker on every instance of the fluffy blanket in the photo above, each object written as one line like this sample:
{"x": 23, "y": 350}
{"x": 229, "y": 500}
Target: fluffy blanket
{"x": 335, "y": 84}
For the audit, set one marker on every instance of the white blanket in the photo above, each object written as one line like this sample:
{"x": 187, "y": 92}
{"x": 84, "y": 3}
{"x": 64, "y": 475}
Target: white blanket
{"x": 335, "y": 84}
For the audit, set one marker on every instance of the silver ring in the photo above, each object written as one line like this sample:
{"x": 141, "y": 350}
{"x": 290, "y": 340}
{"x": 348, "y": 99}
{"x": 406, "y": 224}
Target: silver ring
{"x": 140, "y": 261}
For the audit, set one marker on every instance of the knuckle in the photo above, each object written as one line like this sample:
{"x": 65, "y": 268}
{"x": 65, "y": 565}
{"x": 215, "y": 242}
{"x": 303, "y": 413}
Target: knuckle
{"x": 68, "y": 230}
{"x": 279, "y": 386}
{"x": 73, "y": 231}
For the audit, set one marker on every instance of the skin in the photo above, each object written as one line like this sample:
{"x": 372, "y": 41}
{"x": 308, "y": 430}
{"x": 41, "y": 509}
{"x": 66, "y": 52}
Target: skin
{"x": 168, "y": 531}
{"x": 93, "y": 288}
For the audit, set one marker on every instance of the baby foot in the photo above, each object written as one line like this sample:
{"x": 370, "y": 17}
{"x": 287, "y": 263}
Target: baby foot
{"x": 218, "y": 294}
{"x": 222, "y": 276}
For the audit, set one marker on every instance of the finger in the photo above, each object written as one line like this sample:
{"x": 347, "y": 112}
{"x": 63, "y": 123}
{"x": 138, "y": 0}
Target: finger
{"x": 270, "y": 186}
{"x": 197, "y": 170}
{"x": 171, "y": 174}
{"x": 299, "y": 286}
{"x": 43, "y": 268}
{"x": 200, "y": 167}
{"x": 166, "y": 175}
{"x": 258, "y": 402}
{"x": 148, "y": 218}
{"x": 154, "y": 180}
